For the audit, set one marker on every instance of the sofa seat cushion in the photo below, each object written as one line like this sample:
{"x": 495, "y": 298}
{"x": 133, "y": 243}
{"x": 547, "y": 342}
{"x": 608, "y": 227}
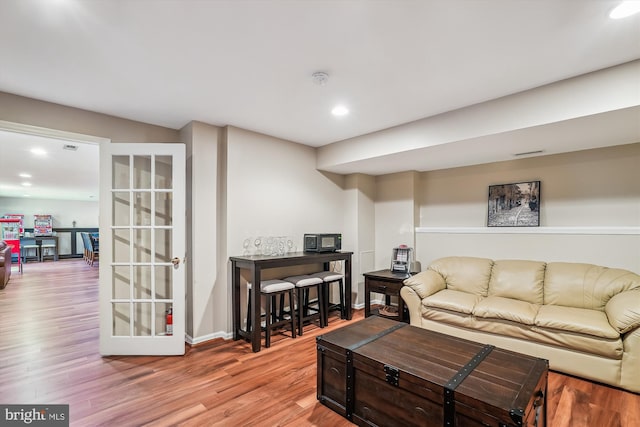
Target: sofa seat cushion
{"x": 577, "y": 320}
{"x": 589, "y": 344}
{"x": 606, "y": 347}
{"x": 454, "y": 318}
{"x": 457, "y": 301}
{"x": 506, "y": 309}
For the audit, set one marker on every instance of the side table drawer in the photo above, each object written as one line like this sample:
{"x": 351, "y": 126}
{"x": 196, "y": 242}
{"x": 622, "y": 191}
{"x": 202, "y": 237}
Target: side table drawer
{"x": 383, "y": 287}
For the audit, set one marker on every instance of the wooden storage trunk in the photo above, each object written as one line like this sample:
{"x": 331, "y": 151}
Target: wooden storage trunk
{"x": 378, "y": 372}
{"x": 335, "y": 359}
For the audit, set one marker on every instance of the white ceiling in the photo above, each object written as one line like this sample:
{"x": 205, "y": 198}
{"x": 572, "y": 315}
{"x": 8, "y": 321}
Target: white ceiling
{"x": 249, "y": 63}
{"x": 58, "y": 173}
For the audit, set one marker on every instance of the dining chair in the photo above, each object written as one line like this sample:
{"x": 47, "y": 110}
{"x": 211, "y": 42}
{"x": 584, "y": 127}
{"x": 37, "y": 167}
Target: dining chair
{"x": 29, "y": 245}
{"x": 48, "y": 248}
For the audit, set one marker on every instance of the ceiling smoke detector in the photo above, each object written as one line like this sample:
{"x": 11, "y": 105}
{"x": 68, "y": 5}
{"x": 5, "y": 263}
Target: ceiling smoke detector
{"x": 320, "y": 78}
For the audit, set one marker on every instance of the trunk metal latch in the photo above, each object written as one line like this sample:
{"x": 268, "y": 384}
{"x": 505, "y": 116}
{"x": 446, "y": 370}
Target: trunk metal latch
{"x": 392, "y": 375}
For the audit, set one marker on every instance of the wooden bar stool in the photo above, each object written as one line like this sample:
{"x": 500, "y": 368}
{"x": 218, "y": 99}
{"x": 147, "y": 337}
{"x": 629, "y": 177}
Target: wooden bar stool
{"x": 306, "y": 312}
{"x": 270, "y": 289}
{"x": 328, "y": 278}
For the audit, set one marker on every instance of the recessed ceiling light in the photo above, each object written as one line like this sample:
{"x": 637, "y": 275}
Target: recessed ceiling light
{"x": 624, "y": 9}
{"x": 340, "y": 110}
{"x": 24, "y": 175}
{"x": 38, "y": 151}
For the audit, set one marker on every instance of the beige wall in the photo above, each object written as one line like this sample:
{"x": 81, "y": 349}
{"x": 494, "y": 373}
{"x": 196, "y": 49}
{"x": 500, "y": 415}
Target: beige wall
{"x": 597, "y": 189}
{"x": 275, "y": 190}
{"x": 32, "y": 112}
{"x": 242, "y": 184}
{"x": 64, "y": 212}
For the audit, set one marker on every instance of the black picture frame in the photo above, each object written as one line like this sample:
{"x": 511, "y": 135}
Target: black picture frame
{"x": 514, "y": 205}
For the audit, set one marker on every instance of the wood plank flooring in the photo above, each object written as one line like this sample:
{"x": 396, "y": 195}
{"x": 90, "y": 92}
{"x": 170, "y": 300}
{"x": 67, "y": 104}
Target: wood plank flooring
{"x": 49, "y": 354}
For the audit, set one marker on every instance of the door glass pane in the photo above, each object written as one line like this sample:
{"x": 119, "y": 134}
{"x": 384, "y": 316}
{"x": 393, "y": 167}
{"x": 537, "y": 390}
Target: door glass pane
{"x": 121, "y": 243}
{"x": 120, "y": 172}
{"x": 163, "y": 282}
{"x": 121, "y": 319}
{"x": 121, "y": 204}
{"x": 142, "y": 172}
{"x": 142, "y": 319}
{"x": 142, "y": 245}
{"x": 161, "y": 317}
{"x": 163, "y": 172}
{"x": 142, "y": 282}
{"x": 163, "y": 208}
{"x": 120, "y": 282}
{"x": 163, "y": 245}
{"x": 142, "y": 208}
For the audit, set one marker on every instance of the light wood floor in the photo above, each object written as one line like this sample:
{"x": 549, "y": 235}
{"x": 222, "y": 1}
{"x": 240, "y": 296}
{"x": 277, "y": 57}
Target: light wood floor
{"x": 49, "y": 355}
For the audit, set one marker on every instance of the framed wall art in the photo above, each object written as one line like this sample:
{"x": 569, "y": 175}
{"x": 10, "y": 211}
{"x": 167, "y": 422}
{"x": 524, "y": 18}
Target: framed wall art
{"x": 514, "y": 205}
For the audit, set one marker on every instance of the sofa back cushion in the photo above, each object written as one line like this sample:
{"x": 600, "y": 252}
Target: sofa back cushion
{"x": 585, "y": 285}
{"x": 465, "y": 274}
{"x": 520, "y": 280}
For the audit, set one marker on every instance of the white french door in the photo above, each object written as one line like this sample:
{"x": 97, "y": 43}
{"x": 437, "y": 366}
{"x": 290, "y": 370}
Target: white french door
{"x": 142, "y": 248}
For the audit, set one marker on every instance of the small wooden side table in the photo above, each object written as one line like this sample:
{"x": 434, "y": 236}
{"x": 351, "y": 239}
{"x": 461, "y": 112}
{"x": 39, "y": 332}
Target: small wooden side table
{"x": 388, "y": 283}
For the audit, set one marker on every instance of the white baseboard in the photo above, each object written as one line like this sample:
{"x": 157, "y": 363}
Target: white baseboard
{"x": 202, "y": 339}
{"x": 229, "y": 335}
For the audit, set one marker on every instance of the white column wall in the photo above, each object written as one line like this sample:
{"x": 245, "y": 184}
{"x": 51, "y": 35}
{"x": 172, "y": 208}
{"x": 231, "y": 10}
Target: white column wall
{"x": 204, "y": 290}
{"x": 360, "y": 229}
{"x": 394, "y": 214}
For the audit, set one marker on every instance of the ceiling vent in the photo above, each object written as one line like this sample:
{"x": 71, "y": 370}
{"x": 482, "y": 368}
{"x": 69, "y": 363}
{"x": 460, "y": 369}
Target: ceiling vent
{"x": 70, "y": 147}
{"x": 529, "y": 153}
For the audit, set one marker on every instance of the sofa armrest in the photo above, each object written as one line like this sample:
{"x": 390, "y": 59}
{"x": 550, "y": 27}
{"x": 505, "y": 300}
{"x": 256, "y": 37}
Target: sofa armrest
{"x": 426, "y": 283}
{"x": 413, "y": 304}
{"x": 623, "y": 310}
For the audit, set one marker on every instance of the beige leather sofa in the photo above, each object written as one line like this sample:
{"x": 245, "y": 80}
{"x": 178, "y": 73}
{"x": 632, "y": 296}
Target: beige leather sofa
{"x": 583, "y": 318}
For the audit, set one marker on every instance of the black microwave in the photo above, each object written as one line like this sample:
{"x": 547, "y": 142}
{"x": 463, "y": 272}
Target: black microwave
{"x": 322, "y": 242}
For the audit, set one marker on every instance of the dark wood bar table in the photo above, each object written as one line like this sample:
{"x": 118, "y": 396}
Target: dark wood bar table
{"x": 256, "y": 263}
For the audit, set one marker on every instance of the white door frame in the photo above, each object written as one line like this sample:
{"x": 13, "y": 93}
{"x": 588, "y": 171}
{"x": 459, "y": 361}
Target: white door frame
{"x": 121, "y": 308}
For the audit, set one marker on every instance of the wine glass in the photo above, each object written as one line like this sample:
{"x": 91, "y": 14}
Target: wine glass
{"x": 245, "y": 245}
